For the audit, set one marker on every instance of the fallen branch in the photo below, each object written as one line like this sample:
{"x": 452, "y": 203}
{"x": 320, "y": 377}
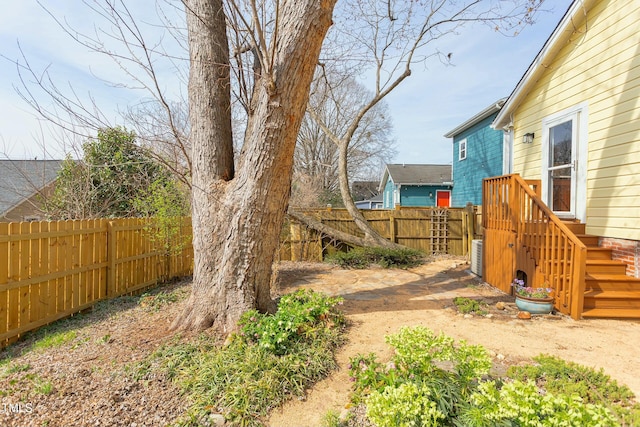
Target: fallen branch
{"x": 334, "y": 233}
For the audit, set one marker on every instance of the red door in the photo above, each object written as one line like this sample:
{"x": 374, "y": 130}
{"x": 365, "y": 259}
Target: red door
{"x": 443, "y": 198}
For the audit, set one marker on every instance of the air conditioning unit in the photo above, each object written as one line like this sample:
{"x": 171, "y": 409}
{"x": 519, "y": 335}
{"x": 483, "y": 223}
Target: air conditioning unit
{"x": 476, "y": 257}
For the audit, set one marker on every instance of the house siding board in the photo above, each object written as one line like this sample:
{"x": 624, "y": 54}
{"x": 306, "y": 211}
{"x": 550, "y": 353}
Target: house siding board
{"x": 419, "y": 195}
{"x": 484, "y": 159}
{"x": 599, "y": 65}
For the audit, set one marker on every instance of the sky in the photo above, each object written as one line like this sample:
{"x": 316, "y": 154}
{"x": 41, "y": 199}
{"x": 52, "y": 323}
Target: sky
{"x": 485, "y": 67}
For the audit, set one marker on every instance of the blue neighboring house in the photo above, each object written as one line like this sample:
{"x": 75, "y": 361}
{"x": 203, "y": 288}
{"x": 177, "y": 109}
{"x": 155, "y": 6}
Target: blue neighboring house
{"x": 416, "y": 185}
{"x": 478, "y": 153}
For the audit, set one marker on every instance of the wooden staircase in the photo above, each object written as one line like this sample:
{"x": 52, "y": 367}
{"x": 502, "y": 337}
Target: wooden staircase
{"x": 609, "y": 292}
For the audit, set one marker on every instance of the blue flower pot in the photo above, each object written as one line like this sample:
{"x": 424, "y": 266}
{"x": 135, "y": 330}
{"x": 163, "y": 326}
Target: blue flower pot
{"x": 534, "y": 305}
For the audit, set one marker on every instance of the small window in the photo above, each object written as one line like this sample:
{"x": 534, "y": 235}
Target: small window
{"x": 462, "y": 149}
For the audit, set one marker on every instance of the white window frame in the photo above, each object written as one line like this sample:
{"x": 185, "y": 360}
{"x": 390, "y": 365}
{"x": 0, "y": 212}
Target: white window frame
{"x": 462, "y": 149}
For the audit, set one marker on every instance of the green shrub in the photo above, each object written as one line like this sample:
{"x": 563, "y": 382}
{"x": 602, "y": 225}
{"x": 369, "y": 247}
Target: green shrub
{"x": 386, "y": 258}
{"x": 300, "y": 315}
{"x": 436, "y": 371}
{"x": 521, "y": 404}
{"x": 355, "y": 258}
{"x": 271, "y": 359}
{"x": 433, "y": 381}
{"x": 407, "y": 405}
{"x": 420, "y": 351}
{"x": 593, "y": 386}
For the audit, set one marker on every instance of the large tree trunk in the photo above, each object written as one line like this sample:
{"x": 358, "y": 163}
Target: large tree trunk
{"x": 237, "y": 219}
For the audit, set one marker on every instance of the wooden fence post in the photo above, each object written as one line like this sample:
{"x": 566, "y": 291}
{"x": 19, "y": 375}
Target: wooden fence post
{"x": 392, "y": 226}
{"x": 471, "y": 223}
{"x": 320, "y": 246}
{"x": 465, "y": 235}
{"x": 296, "y": 235}
{"x": 110, "y": 290}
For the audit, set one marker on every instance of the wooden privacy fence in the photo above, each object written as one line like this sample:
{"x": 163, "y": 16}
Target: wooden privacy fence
{"x": 431, "y": 230}
{"x": 50, "y": 270}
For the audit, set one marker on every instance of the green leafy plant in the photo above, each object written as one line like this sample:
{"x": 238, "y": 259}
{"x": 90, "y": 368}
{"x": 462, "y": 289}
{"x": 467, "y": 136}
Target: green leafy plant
{"x": 271, "y": 359}
{"x": 522, "y": 404}
{"x": 369, "y": 374}
{"x": 434, "y": 381}
{"x": 468, "y": 305}
{"x": 332, "y": 419}
{"x": 407, "y": 405}
{"x": 300, "y": 315}
{"x": 387, "y": 258}
{"x": 419, "y": 350}
{"x": 593, "y": 386}
{"x": 440, "y": 373}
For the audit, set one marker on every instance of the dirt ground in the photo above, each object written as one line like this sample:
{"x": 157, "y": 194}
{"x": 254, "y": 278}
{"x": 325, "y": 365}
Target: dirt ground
{"x": 379, "y": 302}
{"x": 89, "y": 385}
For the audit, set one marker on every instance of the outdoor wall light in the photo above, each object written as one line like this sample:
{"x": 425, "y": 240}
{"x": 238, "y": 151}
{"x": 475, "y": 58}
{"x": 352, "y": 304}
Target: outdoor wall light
{"x": 527, "y": 138}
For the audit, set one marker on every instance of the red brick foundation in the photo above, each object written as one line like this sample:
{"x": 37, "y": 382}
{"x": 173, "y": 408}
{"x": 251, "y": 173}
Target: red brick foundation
{"x": 627, "y": 251}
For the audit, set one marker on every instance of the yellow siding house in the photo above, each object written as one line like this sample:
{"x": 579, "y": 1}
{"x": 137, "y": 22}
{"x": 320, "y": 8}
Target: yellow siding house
{"x": 574, "y": 125}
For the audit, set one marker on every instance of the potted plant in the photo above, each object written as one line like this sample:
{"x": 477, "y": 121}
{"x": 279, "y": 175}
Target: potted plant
{"x": 533, "y": 300}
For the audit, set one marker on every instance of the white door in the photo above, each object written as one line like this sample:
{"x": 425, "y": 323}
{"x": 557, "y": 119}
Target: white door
{"x": 563, "y": 163}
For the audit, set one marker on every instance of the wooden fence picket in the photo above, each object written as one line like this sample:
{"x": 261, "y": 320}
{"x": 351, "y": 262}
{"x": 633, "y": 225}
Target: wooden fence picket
{"x": 35, "y": 271}
{"x": 24, "y": 274}
{"x": 4, "y": 277}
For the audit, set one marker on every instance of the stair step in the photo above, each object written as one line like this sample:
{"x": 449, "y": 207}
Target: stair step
{"x": 596, "y": 252}
{"x": 588, "y": 239}
{"x": 612, "y": 299}
{"x": 598, "y": 294}
{"x": 575, "y": 227}
{"x": 611, "y": 313}
{"x": 611, "y": 282}
{"x": 598, "y": 266}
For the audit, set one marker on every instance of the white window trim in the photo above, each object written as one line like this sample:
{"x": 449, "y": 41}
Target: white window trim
{"x": 507, "y": 152}
{"x": 581, "y": 114}
{"x": 462, "y": 153}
